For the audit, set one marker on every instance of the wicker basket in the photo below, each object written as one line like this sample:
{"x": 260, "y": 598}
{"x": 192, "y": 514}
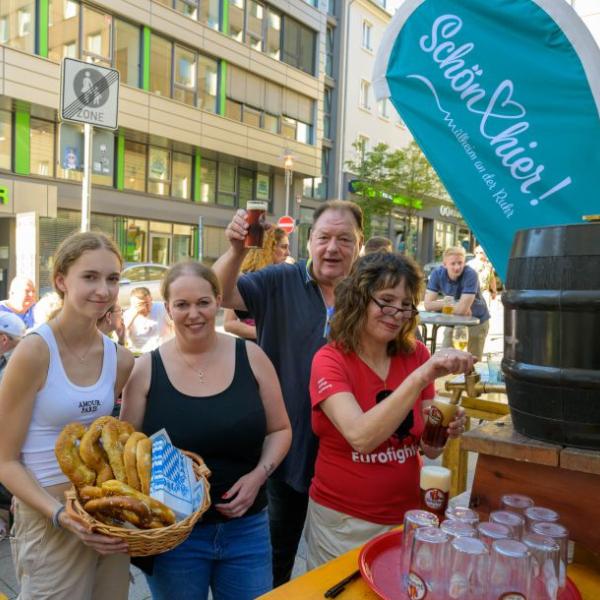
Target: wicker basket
{"x": 146, "y": 542}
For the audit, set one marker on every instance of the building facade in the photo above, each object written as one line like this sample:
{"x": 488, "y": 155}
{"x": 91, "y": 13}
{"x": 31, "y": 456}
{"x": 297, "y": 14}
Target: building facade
{"x": 214, "y": 95}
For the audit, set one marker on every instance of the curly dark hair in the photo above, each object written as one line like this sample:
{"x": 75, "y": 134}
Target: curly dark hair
{"x": 352, "y": 296}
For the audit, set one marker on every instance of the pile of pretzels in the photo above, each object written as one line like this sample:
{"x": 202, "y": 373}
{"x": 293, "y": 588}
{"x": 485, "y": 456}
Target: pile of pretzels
{"x": 110, "y": 466}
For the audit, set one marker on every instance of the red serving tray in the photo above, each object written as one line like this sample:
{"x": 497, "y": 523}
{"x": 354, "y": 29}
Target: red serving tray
{"x": 380, "y": 561}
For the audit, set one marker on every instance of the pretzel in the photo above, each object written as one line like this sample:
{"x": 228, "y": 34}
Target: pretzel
{"x": 67, "y": 455}
{"x": 159, "y": 510}
{"x": 130, "y": 460}
{"x": 91, "y": 452}
{"x": 143, "y": 452}
{"x": 90, "y": 492}
{"x": 125, "y": 430}
{"x": 121, "y": 507}
{"x": 113, "y": 448}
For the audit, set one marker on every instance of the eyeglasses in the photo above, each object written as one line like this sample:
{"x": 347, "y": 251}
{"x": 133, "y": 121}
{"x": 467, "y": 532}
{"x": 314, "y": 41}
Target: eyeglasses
{"x": 406, "y": 425}
{"x": 392, "y": 311}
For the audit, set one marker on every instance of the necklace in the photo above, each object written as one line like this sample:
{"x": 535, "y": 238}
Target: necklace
{"x": 199, "y": 372}
{"x": 81, "y": 358}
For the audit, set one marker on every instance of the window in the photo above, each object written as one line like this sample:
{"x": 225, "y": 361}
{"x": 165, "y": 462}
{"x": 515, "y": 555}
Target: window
{"x": 63, "y": 30}
{"x": 5, "y": 139}
{"x": 135, "y": 166}
{"x": 365, "y": 88}
{"x": 233, "y": 109}
{"x": 226, "y": 184}
{"x": 330, "y": 7}
{"x": 298, "y": 45}
{"x": 207, "y": 83}
{"x": 209, "y": 13}
{"x": 184, "y": 85}
{"x": 317, "y": 187}
{"x": 137, "y": 234}
{"x": 159, "y": 171}
{"x": 246, "y": 187}
{"x": 252, "y": 116}
{"x": 127, "y": 52}
{"x": 254, "y": 26}
{"x": 41, "y": 137}
{"x": 160, "y": 66}
{"x": 236, "y": 19}
{"x": 273, "y": 39}
{"x": 208, "y": 180}
{"x": 383, "y": 108}
{"x": 182, "y": 243}
{"x": 271, "y": 123}
{"x": 188, "y": 8}
{"x": 182, "y": 176}
{"x": 367, "y": 30}
{"x": 96, "y": 36}
{"x": 327, "y": 106}
{"x": 17, "y": 24}
{"x": 329, "y": 41}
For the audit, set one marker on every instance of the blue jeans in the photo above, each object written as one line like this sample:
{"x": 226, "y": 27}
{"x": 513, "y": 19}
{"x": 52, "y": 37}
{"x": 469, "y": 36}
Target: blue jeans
{"x": 232, "y": 558}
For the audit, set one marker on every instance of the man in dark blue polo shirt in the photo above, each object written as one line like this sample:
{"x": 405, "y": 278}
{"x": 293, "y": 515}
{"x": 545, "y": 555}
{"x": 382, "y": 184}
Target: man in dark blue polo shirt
{"x": 461, "y": 282}
{"x": 291, "y": 305}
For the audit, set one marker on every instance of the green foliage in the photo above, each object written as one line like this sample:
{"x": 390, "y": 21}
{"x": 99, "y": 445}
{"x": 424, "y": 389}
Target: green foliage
{"x": 387, "y": 180}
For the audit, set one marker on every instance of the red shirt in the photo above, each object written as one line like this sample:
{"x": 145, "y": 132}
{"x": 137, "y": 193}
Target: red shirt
{"x": 381, "y": 485}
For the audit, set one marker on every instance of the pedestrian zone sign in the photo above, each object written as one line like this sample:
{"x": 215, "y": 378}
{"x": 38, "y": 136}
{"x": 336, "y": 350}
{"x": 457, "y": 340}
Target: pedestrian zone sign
{"x": 89, "y": 94}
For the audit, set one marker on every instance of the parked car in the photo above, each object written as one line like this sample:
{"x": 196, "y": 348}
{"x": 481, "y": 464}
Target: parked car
{"x": 430, "y": 266}
{"x": 134, "y": 275}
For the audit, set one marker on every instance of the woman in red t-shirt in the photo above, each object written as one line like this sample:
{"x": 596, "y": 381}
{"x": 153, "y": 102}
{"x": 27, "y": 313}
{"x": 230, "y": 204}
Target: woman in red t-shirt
{"x": 370, "y": 390}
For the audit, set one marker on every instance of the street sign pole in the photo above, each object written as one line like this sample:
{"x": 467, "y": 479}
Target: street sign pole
{"x": 86, "y": 188}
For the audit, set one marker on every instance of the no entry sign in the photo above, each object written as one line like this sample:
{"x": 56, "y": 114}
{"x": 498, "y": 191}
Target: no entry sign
{"x": 288, "y": 224}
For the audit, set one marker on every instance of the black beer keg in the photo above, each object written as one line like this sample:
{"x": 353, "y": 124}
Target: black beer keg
{"x": 552, "y": 334}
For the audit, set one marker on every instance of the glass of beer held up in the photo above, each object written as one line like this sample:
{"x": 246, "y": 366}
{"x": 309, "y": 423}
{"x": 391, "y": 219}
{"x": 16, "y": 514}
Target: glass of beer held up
{"x": 435, "y": 488}
{"x": 256, "y": 219}
{"x": 440, "y": 414}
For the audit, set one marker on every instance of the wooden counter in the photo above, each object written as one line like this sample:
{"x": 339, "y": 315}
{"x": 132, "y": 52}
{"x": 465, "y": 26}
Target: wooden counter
{"x": 564, "y": 479}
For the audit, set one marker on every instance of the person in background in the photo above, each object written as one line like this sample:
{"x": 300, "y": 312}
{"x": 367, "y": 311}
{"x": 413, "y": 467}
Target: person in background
{"x": 146, "y": 322}
{"x": 485, "y": 271}
{"x": 454, "y": 278}
{"x": 292, "y": 305}
{"x": 370, "y": 388}
{"x": 46, "y": 308}
{"x": 217, "y": 396}
{"x": 378, "y": 243}
{"x": 12, "y": 329}
{"x": 21, "y": 300}
{"x": 112, "y": 325}
{"x": 63, "y": 372}
{"x": 275, "y": 250}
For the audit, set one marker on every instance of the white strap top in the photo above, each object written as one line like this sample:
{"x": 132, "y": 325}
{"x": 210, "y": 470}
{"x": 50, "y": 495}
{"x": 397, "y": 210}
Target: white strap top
{"x": 61, "y": 402}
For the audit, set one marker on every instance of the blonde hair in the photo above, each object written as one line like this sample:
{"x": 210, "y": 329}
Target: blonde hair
{"x": 189, "y": 267}
{"x": 258, "y": 258}
{"x": 454, "y": 251}
{"x": 71, "y": 249}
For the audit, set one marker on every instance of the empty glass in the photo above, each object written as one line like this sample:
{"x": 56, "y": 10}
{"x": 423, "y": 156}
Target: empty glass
{"x": 514, "y": 521}
{"x": 413, "y": 519}
{"x": 427, "y": 575}
{"x": 489, "y": 532}
{"x": 560, "y": 534}
{"x": 468, "y": 569}
{"x": 458, "y": 529}
{"x": 545, "y": 553}
{"x": 462, "y": 513}
{"x": 510, "y": 571}
{"x": 515, "y": 502}
{"x": 540, "y": 514}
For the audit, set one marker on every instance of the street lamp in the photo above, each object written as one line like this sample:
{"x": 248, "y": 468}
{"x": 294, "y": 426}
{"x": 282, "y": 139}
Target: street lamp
{"x": 288, "y": 165}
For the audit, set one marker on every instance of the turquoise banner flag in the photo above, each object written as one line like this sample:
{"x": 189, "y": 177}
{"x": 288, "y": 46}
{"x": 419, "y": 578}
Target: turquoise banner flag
{"x": 503, "y": 97}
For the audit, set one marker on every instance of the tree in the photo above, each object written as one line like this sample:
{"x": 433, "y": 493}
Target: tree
{"x": 388, "y": 181}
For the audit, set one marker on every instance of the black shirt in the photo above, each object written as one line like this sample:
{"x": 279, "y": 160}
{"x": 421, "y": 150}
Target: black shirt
{"x": 227, "y": 429}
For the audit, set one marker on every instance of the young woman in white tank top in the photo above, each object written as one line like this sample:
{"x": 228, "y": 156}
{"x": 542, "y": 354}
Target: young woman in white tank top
{"x": 65, "y": 371}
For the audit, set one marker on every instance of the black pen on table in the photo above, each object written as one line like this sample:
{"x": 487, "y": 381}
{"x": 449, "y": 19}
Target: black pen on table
{"x": 339, "y": 587}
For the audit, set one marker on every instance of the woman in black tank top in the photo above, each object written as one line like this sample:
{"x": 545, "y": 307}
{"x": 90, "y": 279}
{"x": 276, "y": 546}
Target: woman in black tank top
{"x": 218, "y": 396}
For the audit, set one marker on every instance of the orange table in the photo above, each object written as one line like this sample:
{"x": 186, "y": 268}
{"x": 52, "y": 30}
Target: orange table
{"x": 313, "y": 584}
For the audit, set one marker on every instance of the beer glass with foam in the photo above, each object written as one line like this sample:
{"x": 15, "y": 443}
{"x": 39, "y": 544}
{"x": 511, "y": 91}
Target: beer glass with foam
{"x": 435, "y": 487}
{"x": 256, "y": 218}
{"x": 440, "y": 414}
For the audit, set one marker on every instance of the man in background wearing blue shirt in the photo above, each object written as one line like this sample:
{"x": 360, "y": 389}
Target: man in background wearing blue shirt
{"x": 461, "y": 282}
{"x": 21, "y": 300}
